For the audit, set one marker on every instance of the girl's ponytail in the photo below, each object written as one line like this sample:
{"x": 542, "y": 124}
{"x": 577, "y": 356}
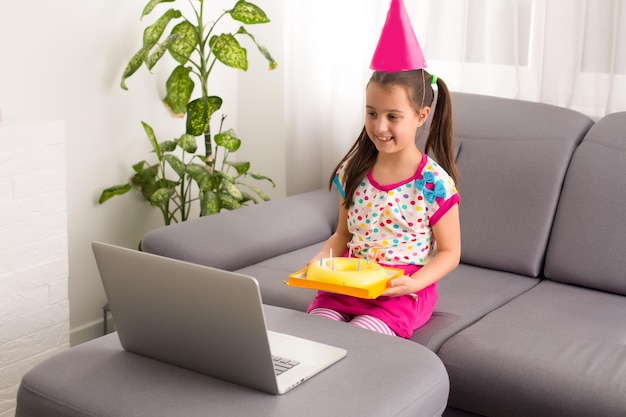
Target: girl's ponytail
{"x": 441, "y": 134}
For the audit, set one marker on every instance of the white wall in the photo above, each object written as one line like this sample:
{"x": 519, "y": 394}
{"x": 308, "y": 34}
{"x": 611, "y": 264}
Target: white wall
{"x": 63, "y": 61}
{"x": 34, "y": 313}
{"x": 261, "y": 101}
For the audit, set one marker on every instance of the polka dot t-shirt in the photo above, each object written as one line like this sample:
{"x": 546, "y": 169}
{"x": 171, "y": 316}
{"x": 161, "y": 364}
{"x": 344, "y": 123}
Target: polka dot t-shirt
{"x": 392, "y": 224}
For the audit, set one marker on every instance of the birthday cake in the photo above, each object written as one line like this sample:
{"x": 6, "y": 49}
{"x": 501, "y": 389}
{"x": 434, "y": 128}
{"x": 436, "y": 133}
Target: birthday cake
{"x": 351, "y": 276}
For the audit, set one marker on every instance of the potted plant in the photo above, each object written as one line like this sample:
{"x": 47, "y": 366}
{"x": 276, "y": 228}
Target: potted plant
{"x": 181, "y": 175}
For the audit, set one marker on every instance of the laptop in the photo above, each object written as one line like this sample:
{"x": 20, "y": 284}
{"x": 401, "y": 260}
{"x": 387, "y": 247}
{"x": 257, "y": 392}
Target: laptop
{"x": 203, "y": 319}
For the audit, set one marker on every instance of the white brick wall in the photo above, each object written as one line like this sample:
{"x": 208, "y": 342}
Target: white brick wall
{"x": 34, "y": 311}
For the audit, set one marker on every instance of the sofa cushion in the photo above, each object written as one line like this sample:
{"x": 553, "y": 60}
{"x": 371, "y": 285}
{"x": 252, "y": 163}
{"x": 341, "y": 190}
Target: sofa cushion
{"x": 588, "y": 241}
{"x": 512, "y": 160}
{"x": 557, "y": 350}
{"x": 465, "y": 296}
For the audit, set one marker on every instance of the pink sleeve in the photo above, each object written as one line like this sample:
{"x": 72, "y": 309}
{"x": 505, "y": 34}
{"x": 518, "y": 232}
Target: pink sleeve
{"x": 444, "y": 206}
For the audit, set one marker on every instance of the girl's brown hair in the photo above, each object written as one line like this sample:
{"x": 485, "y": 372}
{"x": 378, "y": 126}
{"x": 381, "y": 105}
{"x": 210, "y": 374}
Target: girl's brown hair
{"x": 418, "y": 84}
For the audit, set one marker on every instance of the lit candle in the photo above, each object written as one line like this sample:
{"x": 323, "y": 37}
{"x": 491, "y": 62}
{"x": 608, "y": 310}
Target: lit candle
{"x": 321, "y": 257}
{"x": 358, "y": 265}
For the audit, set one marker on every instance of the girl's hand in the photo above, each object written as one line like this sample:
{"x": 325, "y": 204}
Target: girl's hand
{"x": 401, "y": 286}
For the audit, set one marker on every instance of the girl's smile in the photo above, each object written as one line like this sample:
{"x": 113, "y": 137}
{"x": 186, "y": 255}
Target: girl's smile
{"x": 384, "y": 139}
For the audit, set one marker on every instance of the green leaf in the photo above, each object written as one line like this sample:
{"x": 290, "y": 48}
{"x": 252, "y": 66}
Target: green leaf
{"x": 201, "y": 176}
{"x": 161, "y": 197}
{"x": 147, "y": 190}
{"x": 199, "y": 114}
{"x": 152, "y": 4}
{"x": 195, "y": 170}
{"x": 232, "y": 189}
{"x": 247, "y": 197}
{"x": 262, "y": 177}
{"x": 167, "y": 146}
{"x": 139, "y": 166}
{"x": 197, "y": 117}
{"x": 113, "y": 191}
{"x": 185, "y": 43}
{"x": 228, "y": 140}
{"x": 241, "y": 166}
{"x": 224, "y": 176}
{"x": 146, "y": 175}
{"x": 165, "y": 183}
{"x": 228, "y": 51}
{"x": 259, "y": 192}
{"x": 228, "y": 202}
{"x": 209, "y": 204}
{"x": 248, "y": 13}
{"x": 133, "y": 65}
{"x": 264, "y": 51}
{"x": 159, "y": 51}
{"x": 214, "y": 103}
{"x": 146, "y": 180}
{"x": 272, "y": 63}
{"x": 177, "y": 165}
{"x": 152, "y": 33}
{"x": 179, "y": 87}
{"x": 205, "y": 182}
{"x": 153, "y": 140}
{"x": 188, "y": 143}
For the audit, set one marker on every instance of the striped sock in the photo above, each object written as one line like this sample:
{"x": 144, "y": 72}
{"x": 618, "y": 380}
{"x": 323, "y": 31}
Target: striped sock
{"x": 372, "y": 323}
{"x": 329, "y": 314}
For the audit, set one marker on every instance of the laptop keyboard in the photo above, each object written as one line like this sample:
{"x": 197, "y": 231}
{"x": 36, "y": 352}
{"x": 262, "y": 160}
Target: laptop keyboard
{"x": 283, "y": 364}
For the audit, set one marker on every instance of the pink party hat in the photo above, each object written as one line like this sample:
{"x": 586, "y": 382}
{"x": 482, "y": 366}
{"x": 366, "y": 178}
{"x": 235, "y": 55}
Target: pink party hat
{"x": 398, "y": 48}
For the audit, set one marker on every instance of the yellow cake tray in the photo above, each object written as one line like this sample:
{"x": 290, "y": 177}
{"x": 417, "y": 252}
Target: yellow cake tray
{"x": 357, "y": 285}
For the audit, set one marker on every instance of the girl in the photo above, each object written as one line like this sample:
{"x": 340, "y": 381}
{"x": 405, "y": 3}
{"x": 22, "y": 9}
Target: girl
{"x": 398, "y": 207}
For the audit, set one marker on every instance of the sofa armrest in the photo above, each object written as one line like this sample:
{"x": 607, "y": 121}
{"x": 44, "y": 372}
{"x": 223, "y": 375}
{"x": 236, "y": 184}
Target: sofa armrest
{"x": 232, "y": 240}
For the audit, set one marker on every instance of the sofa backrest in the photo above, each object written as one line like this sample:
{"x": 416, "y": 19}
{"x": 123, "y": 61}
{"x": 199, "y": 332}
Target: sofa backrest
{"x": 588, "y": 242}
{"x": 512, "y": 160}
{"x": 263, "y": 231}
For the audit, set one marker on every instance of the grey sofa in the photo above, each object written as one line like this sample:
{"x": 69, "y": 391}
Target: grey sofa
{"x": 100, "y": 379}
{"x": 533, "y": 321}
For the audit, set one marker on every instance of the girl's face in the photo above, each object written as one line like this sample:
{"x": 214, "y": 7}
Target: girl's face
{"x": 391, "y": 121}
